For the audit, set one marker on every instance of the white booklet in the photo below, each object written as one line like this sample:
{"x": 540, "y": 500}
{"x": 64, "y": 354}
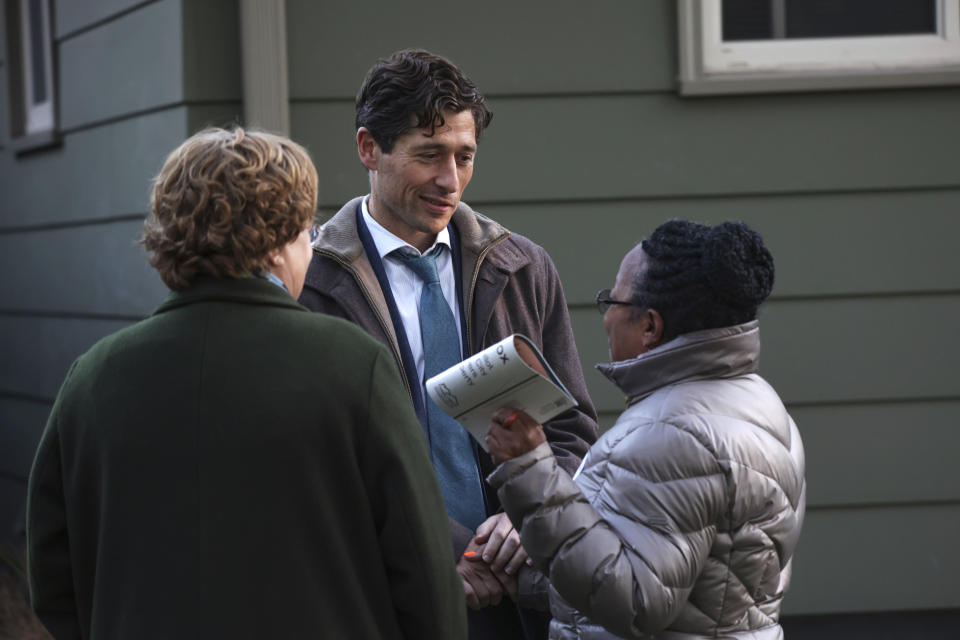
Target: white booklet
{"x": 511, "y": 373}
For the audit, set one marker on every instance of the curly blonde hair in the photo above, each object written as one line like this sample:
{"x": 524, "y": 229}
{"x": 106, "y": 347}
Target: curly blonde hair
{"x": 224, "y": 200}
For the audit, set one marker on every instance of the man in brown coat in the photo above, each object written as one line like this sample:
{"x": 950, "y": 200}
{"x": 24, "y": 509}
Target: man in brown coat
{"x": 418, "y": 121}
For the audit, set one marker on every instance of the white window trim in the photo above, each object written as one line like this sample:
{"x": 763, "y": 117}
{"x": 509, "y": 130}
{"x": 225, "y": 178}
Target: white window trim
{"x": 38, "y": 116}
{"x": 709, "y": 65}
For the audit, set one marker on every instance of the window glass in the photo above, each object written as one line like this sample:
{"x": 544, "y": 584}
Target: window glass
{"x": 38, "y": 52}
{"x": 747, "y": 20}
{"x": 848, "y": 18}
{"x": 779, "y": 19}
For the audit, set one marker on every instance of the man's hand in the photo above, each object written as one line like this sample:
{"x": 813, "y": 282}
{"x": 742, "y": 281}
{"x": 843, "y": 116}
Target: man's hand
{"x": 481, "y": 587}
{"x": 501, "y": 545}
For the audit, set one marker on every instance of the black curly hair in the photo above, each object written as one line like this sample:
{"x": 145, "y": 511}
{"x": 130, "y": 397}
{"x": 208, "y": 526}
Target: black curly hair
{"x": 410, "y": 90}
{"x": 699, "y": 277}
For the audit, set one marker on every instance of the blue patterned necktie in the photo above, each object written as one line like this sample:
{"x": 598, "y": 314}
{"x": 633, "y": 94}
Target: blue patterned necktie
{"x": 450, "y": 448}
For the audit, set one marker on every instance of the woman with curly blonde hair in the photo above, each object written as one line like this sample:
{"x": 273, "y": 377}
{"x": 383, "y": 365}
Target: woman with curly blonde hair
{"x": 232, "y": 203}
{"x": 235, "y": 466}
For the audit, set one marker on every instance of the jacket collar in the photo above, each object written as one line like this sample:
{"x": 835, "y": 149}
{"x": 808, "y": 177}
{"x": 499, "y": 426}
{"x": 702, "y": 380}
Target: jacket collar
{"x": 477, "y": 232}
{"x": 249, "y": 290}
{"x": 712, "y": 353}
{"x": 480, "y": 241}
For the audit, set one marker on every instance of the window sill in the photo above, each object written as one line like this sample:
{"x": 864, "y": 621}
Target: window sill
{"x": 35, "y": 142}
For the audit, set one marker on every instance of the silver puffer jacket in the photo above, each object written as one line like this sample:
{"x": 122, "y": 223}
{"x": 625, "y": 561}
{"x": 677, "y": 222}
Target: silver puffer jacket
{"x": 685, "y": 514}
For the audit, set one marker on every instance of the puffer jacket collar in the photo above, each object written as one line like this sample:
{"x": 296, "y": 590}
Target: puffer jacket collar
{"x": 712, "y": 353}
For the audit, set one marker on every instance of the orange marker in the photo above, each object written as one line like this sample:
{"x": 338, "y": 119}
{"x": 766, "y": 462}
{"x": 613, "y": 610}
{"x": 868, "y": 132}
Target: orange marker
{"x": 509, "y": 421}
{"x": 469, "y": 554}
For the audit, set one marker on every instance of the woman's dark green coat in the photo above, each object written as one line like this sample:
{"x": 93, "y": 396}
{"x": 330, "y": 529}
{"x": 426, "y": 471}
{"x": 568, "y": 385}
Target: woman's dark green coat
{"x": 237, "y": 467}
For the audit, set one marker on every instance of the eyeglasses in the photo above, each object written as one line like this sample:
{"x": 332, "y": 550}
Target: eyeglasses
{"x": 604, "y": 301}
{"x": 315, "y": 234}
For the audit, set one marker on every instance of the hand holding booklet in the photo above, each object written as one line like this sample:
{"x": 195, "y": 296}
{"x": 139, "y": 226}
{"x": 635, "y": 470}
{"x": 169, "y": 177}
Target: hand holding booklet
{"x": 511, "y": 373}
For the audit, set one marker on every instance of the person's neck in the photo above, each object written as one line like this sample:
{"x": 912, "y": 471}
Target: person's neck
{"x": 418, "y": 239}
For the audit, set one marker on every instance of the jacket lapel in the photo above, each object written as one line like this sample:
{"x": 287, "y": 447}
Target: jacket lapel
{"x": 341, "y": 243}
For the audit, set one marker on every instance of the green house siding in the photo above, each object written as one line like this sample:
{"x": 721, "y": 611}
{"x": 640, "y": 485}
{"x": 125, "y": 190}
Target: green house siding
{"x": 131, "y": 86}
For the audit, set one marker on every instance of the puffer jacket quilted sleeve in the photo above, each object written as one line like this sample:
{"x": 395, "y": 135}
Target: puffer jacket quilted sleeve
{"x": 632, "y": 569}
{"x": 684, "y": 516}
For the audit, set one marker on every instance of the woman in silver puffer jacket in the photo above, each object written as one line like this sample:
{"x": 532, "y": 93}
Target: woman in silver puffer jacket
{"x": 684, "y": 516}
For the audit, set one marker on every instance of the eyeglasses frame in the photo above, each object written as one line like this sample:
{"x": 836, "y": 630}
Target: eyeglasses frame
{"x": 604, "y": 301}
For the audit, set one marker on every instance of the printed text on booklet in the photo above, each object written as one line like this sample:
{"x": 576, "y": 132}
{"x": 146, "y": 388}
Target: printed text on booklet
{"x": 511, "y": 373}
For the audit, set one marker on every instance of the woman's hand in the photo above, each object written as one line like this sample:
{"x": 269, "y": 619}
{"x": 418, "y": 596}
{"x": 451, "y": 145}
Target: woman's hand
{"x": 513, "y": 433}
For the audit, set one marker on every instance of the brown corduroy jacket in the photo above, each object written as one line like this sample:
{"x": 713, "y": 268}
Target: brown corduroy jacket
{"x": 510, "y": 286}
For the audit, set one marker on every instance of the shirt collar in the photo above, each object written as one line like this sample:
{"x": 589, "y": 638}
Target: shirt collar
{"x": 387, "y": 242}
{"x": 266, "y": 274}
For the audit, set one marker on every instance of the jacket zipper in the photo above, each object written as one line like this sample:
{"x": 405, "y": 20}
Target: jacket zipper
{"x": 473, "y": 285}
{"x": 383, "y": 325}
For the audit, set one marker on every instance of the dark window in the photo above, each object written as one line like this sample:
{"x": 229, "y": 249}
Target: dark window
{"x": 30, "y": 74}
{"x": 778, "y": 19}
{"x": 846, "y": 18}
{"x": 747, "y": 19}
{"x": 38, "y": 51}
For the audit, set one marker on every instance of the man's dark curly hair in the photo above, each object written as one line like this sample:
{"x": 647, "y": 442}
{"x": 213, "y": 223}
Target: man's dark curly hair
{"x": 699, "y": 277}
{"x": 411, "y": 90}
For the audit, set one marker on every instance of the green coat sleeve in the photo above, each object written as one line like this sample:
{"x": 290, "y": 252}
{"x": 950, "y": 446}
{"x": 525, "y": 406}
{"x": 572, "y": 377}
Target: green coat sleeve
{"x": 412, "y": 524}
{"x": 49, "y": 568}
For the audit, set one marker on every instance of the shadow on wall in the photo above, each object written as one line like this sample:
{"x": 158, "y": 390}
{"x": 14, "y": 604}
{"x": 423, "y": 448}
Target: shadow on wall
{"x": 16, "y": 617}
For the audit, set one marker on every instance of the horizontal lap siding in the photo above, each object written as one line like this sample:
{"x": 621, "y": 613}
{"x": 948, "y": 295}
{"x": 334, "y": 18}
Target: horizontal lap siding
{"x": 832, "y": 351}
{"x": 603, "y": 147}
{"x": 96, "y": 173}
{"x": 881, "y": 452}
{"x": 135, "y": 79}
{"x": 856, "y": 349}
{"x": 23, "y": 419}
{"x": 104, "y": 73}
{"x": 77, "y": 15}
{"x": 39, "y": 351}
{"x": 823, "y": 244}
{"x": 877, "y": 559}
{"x": 91, "y": 269}
{"x": 506, "y": 47}
{"x": 659, "y": 145}
{"x": 21, "y": 423}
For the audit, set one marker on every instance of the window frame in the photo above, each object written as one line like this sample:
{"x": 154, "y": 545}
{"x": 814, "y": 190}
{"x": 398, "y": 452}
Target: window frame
{"x": 32, "y": 125}
{"x": 38, "y": 115}
{"x": 710, "y": 66}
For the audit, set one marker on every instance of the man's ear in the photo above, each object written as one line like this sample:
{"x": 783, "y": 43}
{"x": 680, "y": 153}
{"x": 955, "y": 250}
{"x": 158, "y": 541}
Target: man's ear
{"x": 275, "y": 257}
{"x": 368, "y": 149}
{"x": 652, "y": 323}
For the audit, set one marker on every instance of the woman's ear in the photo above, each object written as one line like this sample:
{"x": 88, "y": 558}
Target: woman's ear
{"x": 275, "y": 258}
{"x": 652, "y": 328}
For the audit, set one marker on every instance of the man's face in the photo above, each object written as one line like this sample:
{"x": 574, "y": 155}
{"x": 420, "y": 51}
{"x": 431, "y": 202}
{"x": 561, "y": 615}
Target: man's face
{"x": 415, "y": 188}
